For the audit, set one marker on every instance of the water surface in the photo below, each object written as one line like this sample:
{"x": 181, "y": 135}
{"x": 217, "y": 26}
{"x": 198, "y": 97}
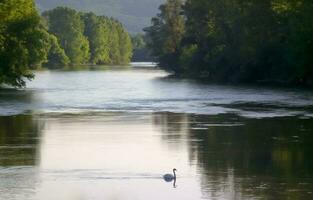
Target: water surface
{"x": 149, "y": 91}
{"x": 113, "y": 134}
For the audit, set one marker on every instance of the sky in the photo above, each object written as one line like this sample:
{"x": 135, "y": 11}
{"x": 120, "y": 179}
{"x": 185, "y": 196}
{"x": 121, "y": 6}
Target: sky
{"x": 134, "y": 14}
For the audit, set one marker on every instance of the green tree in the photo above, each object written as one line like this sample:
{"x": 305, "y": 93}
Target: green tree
{"x": 236, "y": 40}
{"x": 88, "y": 38}
{"x": 57, "y": 58}
{"x": 97, "y": 32}
{"x": 125, "y": 45}
{"x": 67, "y": 26}
{"x": 23, "y": 41}
{"x": 298, "y": 19}
{"x": 166, "y": 33}
{"x": 138, "y": 41}
{"x": 113, "y": 43}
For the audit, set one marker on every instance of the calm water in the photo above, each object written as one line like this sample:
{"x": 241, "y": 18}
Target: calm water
{"x": 112, "y": 134}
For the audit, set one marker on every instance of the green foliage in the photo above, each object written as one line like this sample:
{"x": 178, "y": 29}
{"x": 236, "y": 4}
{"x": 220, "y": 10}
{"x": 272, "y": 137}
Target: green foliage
{"x": 67, "y": 26}
{"x": 23, "y": 41}
{"x": 87, "y": 38}
{"x": 56, "y": 57}
{"x": 134, "y": 14}
{"x": 62, "y": 37}
{"x": 125, "y": 45}
{"x": 138, "y": 41}
{"x": 119, "y": 44}
{"x": 166, "y": 33}
{"x": 237, "y": 40}
{"x": 97, "y": 33}
{"x": 186, "y": 56}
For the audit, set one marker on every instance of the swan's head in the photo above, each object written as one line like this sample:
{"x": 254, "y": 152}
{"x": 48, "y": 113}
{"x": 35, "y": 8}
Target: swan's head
{"x": 174, "y": 170}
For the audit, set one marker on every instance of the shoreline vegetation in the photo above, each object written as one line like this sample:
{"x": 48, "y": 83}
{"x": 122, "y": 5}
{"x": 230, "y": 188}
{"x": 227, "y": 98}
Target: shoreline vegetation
{"x": 250, "y": 41}
{"x": 224, "y": 42}
{"x": 87, "y": 38}
{"x": 61, "y": 38}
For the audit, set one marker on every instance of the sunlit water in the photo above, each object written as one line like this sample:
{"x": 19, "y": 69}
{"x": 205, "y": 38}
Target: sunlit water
{"x": 147, "y": 91}
{"x": 113, "y": 134}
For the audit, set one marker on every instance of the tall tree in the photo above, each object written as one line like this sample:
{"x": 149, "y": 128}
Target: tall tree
{"x": 166, "y": 33}
{"x": 125, "y": 45}
{"x": 67, "y": 26}
{"x": 97, "y": 33}
{"x": 89, "y": 39}
{"x": 57, "y": 58}
{"x": 238, "y": 41}
{"x": 23, "y": 41}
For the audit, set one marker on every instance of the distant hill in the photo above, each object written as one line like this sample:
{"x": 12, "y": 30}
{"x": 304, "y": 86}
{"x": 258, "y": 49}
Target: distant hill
{"x": 134, "y": 14}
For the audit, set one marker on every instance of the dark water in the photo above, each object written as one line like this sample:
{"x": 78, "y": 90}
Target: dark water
{"x": 112, "y": 134}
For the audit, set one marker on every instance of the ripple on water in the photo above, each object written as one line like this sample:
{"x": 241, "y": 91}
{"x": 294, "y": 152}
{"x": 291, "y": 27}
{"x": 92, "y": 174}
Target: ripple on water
{"x": 148, "y": 91}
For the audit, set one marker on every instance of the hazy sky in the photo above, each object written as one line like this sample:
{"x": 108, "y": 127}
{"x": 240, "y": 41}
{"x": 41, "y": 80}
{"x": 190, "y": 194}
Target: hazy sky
{"x": 134, "y": 14}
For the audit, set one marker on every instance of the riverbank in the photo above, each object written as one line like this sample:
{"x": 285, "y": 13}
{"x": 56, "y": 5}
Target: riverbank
{"x": 275, "y": 84}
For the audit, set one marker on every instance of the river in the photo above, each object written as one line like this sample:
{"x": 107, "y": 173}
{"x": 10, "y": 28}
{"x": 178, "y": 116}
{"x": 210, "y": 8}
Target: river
{"x": 112, "y": 135}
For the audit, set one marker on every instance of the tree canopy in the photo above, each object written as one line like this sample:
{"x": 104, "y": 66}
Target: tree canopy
{"x": 166, "y": 32}
{"x": 89, "y": 39}
{"x": 236, "y": 40}
{"x": 67, "y": 26}
{"x": 61, "y": 38}
{"x": 134, "y": 14}
{"x": 23, "y": 41}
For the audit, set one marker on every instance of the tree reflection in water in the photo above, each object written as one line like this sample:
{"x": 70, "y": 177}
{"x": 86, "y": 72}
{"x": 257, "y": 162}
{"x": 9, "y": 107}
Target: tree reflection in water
{"x": 241, "y": 158}
{"x": 19, "y": 140}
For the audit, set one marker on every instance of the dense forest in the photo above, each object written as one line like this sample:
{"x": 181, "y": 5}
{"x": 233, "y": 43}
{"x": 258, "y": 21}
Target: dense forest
{"x": 87, "y": 38}
{"x": 60, "y": 38}
{"x": 134, "y": 14}
{"x": 250, "y": 41}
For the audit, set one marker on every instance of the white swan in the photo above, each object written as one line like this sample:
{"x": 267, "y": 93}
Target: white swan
{"x": 170, "y": 177}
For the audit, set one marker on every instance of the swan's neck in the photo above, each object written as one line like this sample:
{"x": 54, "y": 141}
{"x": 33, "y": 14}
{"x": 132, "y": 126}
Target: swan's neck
{"x": 174, "y": 174}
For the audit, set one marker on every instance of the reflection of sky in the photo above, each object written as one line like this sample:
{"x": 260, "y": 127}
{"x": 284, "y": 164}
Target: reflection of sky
{"x": 124, "y": 155}
{"x": 112, "y": 159}
{"x": 148, "y": 90}
{"x": 107, "y": 145}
